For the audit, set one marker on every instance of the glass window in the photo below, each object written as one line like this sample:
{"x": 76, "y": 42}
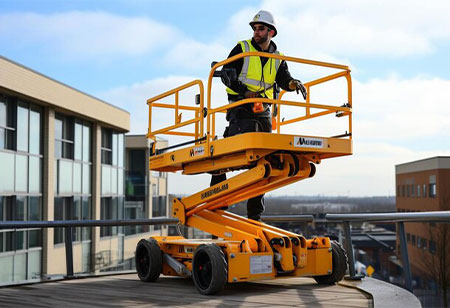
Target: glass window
{"x": 86, "y": 215}
{"x": 120, "y": 182}
{"x": 58, "y": 128}
{"x": 2, "y": 137}
{"x": 7, "y": 172}
{"x": 106, "y": 179}
{"x": 59, "y": 215}
{"x": 21, "y": 173}
{"x": 58, "y": 149}
{"x": 65, "y": 177}
{"x": 7, "y": 119}
{"x": 34, "y": 208}
{"x": 20, "y": 240}
{"x": 35, "y": 132}
{"x": 64, "y": 136}
{"x": 19, "y": 213}
{"x": 22, "y": 128}
{"x": 8, "y": 208}
{"x": 6, "y": 268}
{"x": 432, "y": 248}
{"x": 115, "y": 149}
{"x": 2, "y": 111}
{"x": 86, "y": 179}
{"x": 55, "y": 177}
{"x": 2, "y": 209}
{"x": 105, "y": 213}
{"x": 424, "y": 243}
{"x": 34, "y": 265}
{"x": 114, "y": 180}
{"x": 432, "y": 190}
{"x": 35, "y": 175}
{"x": 418, "y": 190}
{"x": 78, "y": 141}
{"x": 106, "y": 146}
{"x": 76, "y": 215}
{"x": 34, "y": 238}
{"x": 424, "y": 190}
{"x": 86, "y": 257}
{"x": 20, "y": 267}
{"x": 86, "y": 143}
{"x": 9, "y": 241}
{"x": 159, "y": 206}
{"x": 76, "y": 178}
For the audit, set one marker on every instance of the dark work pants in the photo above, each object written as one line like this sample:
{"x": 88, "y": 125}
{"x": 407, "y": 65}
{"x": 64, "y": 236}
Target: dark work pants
{"x": 255, "y": 205}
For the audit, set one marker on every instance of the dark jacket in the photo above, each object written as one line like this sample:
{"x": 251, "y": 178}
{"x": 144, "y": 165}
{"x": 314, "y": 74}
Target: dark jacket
{"x": 282, "y": 78}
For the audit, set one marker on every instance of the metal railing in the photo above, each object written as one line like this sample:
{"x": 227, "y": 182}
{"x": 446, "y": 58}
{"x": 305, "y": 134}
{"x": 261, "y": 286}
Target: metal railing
{"x": 400, "y": 219}
{"x": 201, "y": 111}
{"x": 69, "y": 224}
{"x": 345, "y": 219}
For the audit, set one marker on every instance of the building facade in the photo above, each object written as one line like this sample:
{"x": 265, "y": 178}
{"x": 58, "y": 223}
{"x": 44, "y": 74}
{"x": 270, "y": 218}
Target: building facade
{"x": 146, "y": 192}
{"x": 423, "y": 185}
{"x": 62, "y": 157}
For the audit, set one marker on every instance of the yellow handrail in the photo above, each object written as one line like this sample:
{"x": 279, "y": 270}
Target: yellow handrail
{"x": 198, "y": 120}
{"x": 347, "y": 111}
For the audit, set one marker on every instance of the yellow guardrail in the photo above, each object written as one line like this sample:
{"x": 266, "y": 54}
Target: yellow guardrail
{"x": 170, "y": 130}
{"x": 198, "y": 120}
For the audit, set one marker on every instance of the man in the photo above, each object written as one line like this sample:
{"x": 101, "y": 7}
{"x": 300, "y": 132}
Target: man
{"x": 256, "y": 78}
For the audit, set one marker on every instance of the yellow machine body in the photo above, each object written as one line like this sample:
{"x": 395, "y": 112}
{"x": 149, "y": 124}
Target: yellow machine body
{"x": 253, "y": 250}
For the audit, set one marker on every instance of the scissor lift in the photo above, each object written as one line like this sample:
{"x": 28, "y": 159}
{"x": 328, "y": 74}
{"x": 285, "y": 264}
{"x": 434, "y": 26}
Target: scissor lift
{"x": 245, "y": 249}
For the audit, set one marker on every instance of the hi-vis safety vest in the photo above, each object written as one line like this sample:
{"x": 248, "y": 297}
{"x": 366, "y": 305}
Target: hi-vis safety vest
{"x": 255, "y": 77}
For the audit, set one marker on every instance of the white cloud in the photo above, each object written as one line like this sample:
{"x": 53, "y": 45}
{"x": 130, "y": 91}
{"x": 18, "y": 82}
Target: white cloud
{"x": 347, "y": 27}
{"x": 90, "y": 35}
{"x": 193, "y": 55}
{"x": 402, "y": 110}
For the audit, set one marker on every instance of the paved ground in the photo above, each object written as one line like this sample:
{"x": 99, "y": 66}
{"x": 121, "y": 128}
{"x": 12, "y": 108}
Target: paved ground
{"x": 128, "y": 291}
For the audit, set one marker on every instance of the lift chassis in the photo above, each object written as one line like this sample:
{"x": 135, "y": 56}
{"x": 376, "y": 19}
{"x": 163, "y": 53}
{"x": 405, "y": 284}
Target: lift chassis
{"x": 245, "y": 249}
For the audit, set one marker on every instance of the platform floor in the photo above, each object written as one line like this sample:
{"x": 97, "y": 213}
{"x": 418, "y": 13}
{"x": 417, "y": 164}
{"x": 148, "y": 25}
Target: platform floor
{"x": 128, "y": 291}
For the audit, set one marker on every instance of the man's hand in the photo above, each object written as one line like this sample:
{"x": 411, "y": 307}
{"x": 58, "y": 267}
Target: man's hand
{"x": 297, "y": 85}
{"x": 250, "y": 94}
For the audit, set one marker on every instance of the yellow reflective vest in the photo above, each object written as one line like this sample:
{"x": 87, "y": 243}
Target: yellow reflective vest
{"x": 254, "y": 76}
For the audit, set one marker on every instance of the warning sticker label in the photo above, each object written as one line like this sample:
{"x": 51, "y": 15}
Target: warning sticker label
{"x": 261, "y": 265}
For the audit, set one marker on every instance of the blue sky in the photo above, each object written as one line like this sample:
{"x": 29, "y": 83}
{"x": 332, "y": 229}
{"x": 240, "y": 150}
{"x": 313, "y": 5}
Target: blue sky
{"x": 127, "y": 51}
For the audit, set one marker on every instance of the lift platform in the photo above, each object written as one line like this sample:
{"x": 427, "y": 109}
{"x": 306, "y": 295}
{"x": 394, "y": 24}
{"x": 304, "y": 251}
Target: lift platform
{"x": 245, "y": 249}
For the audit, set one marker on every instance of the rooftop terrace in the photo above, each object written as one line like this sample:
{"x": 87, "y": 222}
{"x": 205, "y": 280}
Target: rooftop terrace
{"x": 128, "y": 290}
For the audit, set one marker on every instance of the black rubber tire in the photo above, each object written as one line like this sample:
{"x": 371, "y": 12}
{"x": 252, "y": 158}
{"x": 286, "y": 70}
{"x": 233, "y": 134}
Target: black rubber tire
{"x": 148, "y": 260}
{"x": 209, "y": 269}
{"x": 339, "y": 258}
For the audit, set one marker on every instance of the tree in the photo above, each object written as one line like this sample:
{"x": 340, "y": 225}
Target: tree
{"x": 436, "y": 259}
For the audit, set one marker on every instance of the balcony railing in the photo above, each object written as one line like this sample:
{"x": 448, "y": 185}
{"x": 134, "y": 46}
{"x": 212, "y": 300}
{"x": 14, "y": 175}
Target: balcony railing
{"x": 68, "y": 225}
{"x": 345, "y": 219}
{"x": 400, "y": 219}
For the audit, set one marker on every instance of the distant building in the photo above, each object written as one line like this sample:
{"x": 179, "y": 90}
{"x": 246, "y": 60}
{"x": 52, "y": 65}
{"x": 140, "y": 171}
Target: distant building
{"x": 62, "y": 157}
{"x": 146, "y": 192}
{"x": 422, "y": 185}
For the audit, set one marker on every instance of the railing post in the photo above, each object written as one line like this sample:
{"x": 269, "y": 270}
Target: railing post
{"x": 349, "y": 250}
{"x": 405, "y": 257}
{"x": 69, "y": 252}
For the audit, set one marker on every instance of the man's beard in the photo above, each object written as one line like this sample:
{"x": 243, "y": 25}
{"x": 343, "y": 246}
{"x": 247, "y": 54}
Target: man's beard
{"x": 263, "y": 39}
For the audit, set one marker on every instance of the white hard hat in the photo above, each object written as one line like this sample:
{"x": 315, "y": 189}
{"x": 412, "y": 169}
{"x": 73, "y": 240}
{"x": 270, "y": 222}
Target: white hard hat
{"x": 266, "y": 18}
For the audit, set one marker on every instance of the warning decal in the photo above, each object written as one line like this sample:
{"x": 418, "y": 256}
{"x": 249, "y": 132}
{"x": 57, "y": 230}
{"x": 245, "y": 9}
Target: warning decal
{"x": 261, "y": 265}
